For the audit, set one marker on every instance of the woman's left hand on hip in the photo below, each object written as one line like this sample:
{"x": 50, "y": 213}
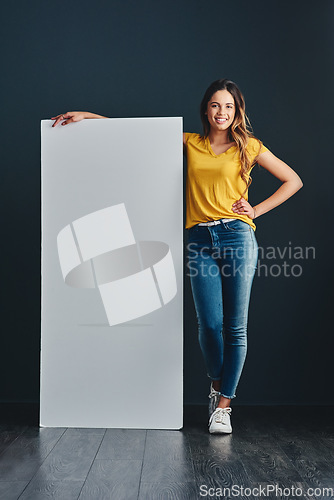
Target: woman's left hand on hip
{"x": 243, "y": 207}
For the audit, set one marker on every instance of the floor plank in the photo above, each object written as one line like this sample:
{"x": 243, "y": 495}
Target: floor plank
{"x": 166, "y": 446}
{"x": 207, "y": 445}
{"x": 219, "y": 471}
{"x": 12, "y": 469}
{"x": 168, "y": 472}
{"x": 8, "y": 434}
{"x": 34, "y": 443}
{"x": 287, "y": 447}
{"x": 55, "y": 490}
{"x": 168, "y": 491}
{"x": 112, "y": 479}
{"x": 79, "y": 443}
{"x": 126, "y": 444}
{"x": 264, "y": 460}
{"x": 11, "y": 490}
{"x": 72, "y": 457}
{"x": 57, "y": 467}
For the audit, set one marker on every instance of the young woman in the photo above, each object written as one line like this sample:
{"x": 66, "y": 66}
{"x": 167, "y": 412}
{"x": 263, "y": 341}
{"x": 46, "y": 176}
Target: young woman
{"x": 222, "y": 248}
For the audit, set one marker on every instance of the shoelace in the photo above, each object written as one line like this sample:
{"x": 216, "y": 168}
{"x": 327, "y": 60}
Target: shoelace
{"x": 220, "y": 415}
{"x": 214, "y": 398}
{"x": 214, "y": 394}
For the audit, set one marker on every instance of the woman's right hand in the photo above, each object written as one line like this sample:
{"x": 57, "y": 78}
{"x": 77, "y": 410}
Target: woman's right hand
{"x": 69, "y": 117}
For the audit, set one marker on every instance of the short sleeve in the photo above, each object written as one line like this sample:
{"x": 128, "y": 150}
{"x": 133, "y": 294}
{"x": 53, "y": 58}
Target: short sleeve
{"x": 263, "y": 149}
{"x": 255, "y": 147}
{"x": 189, "y": 135}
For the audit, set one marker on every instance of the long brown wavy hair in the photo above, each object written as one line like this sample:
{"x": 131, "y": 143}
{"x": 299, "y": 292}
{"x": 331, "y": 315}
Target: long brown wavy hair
{"x": 240, "y": 130}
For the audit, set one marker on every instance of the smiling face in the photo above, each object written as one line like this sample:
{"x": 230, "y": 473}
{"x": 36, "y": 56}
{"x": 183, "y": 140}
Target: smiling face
{"x": 221, "y": 110}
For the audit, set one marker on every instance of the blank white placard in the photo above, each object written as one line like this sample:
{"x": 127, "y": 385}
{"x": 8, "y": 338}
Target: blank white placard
{"x": 112, "y": 267}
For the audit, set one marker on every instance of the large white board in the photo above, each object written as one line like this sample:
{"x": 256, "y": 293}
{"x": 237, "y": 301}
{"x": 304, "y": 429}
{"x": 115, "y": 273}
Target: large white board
{"x": 112, "y": 274}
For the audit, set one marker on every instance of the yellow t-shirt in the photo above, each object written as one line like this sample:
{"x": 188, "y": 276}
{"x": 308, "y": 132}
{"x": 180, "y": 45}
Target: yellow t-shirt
{"x": 214, "y": 182}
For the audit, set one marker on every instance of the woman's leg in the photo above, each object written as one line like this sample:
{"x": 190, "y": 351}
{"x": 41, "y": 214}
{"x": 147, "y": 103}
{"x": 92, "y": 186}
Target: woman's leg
{"x": 238, "y": 269}
{"x": 206, "y": 285}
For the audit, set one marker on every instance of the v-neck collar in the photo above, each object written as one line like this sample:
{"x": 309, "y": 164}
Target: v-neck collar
{"x": 208, "y": 145}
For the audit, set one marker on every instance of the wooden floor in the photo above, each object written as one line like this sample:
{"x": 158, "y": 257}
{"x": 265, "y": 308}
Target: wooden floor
{"x": 271, "y": 447}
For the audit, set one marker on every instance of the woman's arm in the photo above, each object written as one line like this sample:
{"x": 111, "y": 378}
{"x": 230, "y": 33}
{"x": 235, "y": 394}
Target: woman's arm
{"x": 291, "y": 184}
{"x": 74, "y": 116}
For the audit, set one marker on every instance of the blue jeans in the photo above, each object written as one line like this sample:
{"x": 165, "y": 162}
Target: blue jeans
{"x": 221, "y": 263}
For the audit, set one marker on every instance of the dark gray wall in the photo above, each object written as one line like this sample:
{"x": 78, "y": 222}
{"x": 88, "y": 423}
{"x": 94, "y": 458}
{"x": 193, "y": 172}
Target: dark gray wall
{"x": 127, "y": 58}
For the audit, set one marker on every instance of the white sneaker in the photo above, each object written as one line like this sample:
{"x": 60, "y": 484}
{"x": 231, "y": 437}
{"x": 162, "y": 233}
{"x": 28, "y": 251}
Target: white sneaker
{"x": 220, "y": 421}
{"x": 214, "y": 398}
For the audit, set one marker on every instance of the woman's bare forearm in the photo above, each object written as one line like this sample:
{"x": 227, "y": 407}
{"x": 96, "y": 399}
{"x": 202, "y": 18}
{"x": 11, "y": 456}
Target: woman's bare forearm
{"x": 93, "y": 115}
{"x": 74, "y": 116}
{"x": 283, "y": 193}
